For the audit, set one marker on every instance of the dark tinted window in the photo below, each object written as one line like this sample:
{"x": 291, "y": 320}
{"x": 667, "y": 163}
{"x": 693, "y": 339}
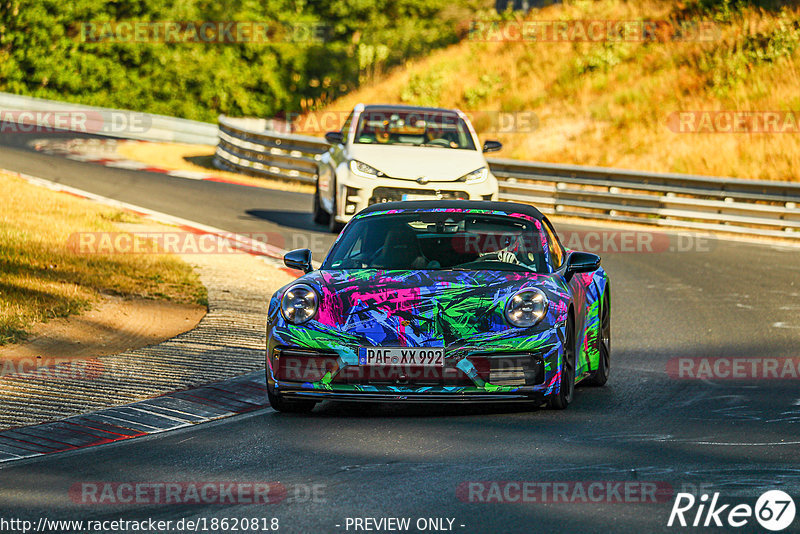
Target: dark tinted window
{"x": 445, "y": 240}
{"x": 346, "y": 128}
{"x": 442, "y": 129}
{"x": 556, "y": 253}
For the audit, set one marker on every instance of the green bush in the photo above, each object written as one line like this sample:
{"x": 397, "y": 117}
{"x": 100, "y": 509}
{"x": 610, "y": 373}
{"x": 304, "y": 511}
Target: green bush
{"x": 43, "y": 55}
{"x": 729, "y": 67}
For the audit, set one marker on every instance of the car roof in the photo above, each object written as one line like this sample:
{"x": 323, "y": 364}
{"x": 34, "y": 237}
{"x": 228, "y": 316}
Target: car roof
{"x": 401, "y": 107}
{"x": 490, "y": 205}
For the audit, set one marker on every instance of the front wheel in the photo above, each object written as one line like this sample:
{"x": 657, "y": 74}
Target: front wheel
{"x": 320, "y": 215}
{"x": 280, "y": 404}
{"x": 333, "y": 226}
{"x": 566, "y": 386}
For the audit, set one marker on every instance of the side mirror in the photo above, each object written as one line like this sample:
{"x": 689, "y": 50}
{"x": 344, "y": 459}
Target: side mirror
{"x": 581, "y": 262}
{"x": 299, "y": 259}
{"x": 334, "y": 138}
{"x": 492, "y": 146}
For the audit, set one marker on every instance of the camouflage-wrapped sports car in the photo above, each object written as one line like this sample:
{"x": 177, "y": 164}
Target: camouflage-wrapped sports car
{"x": 440, "y": 301}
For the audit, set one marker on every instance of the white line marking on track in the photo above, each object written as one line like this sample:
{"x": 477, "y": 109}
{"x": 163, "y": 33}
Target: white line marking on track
{"x": 728, "y": 444}
{"x": 124, "y": 164}
{"x": 192, "y": 175}
{"x": 79, "y": 157}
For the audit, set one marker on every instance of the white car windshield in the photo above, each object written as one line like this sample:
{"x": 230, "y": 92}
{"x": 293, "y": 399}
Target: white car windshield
{"x": 416, "y": 127}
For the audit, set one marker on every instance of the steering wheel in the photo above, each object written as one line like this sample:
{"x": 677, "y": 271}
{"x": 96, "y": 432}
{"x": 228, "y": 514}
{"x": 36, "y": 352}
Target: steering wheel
{"x": 439, "y": 142}
{"x": 503, "y": 256}
{"x": 371, "y": 259}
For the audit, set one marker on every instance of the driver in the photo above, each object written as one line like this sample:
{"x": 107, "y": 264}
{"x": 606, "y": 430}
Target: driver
{"x": 382, "y": 134}
{"x": 513, "y": 252}
{"x": 400, "y": 250}
{"x": 439, "y": 136}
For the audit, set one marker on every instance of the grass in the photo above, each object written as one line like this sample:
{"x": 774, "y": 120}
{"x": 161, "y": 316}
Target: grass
{"x": 610, "y": 103}
{"x": 43, "y": 279}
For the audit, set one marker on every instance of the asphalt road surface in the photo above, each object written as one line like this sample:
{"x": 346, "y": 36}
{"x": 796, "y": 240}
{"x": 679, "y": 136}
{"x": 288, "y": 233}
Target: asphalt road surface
{"x": 646, "y": 429}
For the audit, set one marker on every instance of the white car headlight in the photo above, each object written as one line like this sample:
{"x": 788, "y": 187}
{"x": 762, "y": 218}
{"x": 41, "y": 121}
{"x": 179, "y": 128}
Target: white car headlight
{"x": 299, "y": 304}
{"x": 362, "y": 169}
{"x": 475, "y": 177}
{"x": 526, "y": 308}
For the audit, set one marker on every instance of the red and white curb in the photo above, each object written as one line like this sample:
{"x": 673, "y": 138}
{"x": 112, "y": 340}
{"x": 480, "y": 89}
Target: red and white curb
{"x": 159, "y": 414}
{"x": 87, "y": 153}
{"x": 180, "y": 409}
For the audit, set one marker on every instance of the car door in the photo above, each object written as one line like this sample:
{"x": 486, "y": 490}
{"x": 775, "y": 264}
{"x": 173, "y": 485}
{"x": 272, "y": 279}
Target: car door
{"x": 558, "y": 260}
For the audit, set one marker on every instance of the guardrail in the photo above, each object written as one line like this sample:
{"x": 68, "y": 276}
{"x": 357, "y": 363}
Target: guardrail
{"x": 748, "y": 207}
{"x": 111, "y": 122}
{"x": 267, "y": 154}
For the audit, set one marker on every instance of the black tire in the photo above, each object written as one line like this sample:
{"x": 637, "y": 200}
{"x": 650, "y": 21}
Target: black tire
{"x": 282, "y": 405}
{"x": 320, "y": 215}
{"x": 600, "y": 376}
{"x": 333, "y": 226}
{"x": 566, "y": 389}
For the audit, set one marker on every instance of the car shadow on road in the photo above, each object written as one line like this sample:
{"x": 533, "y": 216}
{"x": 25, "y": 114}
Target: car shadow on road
{"x": 289, "y": 219}
{"x": 381, "y": 410}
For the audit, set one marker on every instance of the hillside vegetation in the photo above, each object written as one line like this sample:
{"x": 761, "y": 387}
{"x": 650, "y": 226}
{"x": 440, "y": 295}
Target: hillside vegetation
{"x": 614, "y": 103}
{"x": 314, "y": 52}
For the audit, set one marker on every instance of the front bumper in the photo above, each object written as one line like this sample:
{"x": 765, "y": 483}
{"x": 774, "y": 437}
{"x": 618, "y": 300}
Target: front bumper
{"x": 357, "y": 192}
{"x": 402, "y": 397}
{"x": 468, "y": 376}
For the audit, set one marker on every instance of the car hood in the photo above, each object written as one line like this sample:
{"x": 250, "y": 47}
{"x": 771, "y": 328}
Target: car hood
{"x": 411, "y": 162}
{"x": 419, "y": 308}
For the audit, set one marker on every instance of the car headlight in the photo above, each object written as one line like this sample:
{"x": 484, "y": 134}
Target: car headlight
{"x": 299, "y": 304}
{"x": 526, "y": 308}
{"x": 362, "y": 169}
{"x": 475, "y": 177}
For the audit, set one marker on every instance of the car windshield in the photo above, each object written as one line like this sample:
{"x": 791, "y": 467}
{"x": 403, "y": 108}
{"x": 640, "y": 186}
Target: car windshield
{"x": 416, "y": 127}
{"x": 440, "y": 241}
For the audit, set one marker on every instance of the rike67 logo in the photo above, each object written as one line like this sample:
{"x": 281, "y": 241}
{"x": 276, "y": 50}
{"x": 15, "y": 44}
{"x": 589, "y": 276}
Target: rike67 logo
{"x": 774, "y": 510}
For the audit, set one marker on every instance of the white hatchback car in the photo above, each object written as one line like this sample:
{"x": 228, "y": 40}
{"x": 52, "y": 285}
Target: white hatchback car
{"x": 386, "y": 153}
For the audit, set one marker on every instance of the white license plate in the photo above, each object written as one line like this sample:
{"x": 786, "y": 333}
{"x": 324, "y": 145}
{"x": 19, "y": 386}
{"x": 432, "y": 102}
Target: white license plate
{"x": 418, "y": 356}
{"x": 419, "y": 197}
